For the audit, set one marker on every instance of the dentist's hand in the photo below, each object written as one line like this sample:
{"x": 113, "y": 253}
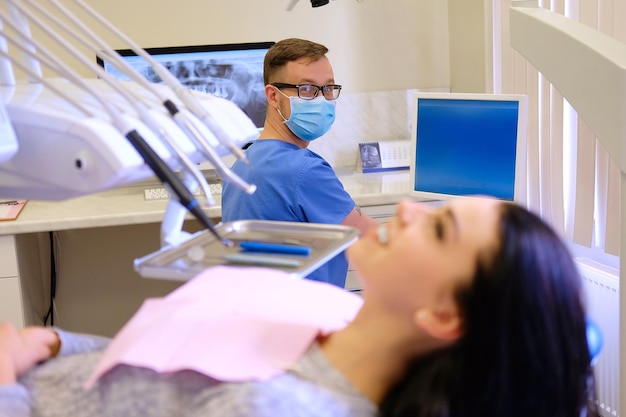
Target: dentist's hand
{"x": 20, "y": 350}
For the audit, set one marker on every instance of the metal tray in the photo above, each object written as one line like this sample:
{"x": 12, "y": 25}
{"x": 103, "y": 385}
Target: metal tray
{"x": 203, "y": 250}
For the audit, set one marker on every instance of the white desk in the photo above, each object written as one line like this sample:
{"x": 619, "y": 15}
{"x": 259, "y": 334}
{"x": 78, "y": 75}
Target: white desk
{"x": 104, "y": 232}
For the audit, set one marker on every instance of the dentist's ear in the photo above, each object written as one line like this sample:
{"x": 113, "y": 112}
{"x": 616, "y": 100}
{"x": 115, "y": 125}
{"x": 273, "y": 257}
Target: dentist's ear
{"x": 442, "y": 325}
{"x": 271, "y": 95}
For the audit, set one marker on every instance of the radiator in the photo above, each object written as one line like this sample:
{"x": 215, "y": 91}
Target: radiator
{"x": 601, "y": 285}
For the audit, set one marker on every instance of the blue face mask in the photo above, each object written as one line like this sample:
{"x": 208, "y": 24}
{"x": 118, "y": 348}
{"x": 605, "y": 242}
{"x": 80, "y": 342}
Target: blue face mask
{"x": 310, "y": 119}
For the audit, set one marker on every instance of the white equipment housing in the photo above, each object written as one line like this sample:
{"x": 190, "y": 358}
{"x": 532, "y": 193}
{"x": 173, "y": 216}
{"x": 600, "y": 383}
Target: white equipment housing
{"x": 64, "y": 153}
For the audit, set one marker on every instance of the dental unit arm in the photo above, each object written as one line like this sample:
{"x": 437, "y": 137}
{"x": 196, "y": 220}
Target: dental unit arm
{"x": 68, "y": 136}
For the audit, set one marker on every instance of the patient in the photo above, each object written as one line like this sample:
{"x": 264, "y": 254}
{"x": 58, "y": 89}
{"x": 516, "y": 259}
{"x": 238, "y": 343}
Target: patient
{"x": 470, "y": 309}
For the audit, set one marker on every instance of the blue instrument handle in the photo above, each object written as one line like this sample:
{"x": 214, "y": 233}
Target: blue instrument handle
{"x": 275, "y": 248}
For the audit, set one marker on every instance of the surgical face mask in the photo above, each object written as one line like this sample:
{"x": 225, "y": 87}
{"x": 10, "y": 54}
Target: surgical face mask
{"x": 310, "y": 119}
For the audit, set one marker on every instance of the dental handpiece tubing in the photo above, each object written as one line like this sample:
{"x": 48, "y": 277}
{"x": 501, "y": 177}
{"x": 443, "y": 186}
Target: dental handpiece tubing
{"x": 167, "y": 176}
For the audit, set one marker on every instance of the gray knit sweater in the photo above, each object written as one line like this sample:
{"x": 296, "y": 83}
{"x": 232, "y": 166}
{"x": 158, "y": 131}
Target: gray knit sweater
{"x": 55, "y": 389}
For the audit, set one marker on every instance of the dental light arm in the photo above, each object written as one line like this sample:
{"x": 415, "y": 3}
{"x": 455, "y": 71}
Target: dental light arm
{"x": 136, "y": 102}
{"x": 78, "y": 136}
{"x": 158, "y": 166}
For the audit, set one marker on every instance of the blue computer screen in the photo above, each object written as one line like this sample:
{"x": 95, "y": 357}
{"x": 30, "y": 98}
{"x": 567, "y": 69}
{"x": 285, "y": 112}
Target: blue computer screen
{"x": 231, "y": 71}
{"x": 466, "y": 147}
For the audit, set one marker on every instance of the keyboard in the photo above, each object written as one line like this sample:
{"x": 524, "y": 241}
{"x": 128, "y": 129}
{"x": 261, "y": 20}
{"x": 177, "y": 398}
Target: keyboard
{"x": 161, "y": 193}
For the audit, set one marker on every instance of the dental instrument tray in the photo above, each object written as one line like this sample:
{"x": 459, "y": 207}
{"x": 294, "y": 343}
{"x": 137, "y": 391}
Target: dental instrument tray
{"x": 297, "y": 248}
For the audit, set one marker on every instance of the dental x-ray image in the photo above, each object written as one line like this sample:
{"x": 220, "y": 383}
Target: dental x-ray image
{"x": 239, "y": 82}
{"x": 233, "y": 71}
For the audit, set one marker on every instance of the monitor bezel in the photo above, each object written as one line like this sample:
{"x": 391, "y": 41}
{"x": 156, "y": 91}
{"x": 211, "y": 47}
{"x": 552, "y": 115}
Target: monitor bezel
{"x": 520, "y": 186}
{"x": 193, "y": 49}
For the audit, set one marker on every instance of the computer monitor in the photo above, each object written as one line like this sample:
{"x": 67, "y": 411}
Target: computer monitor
{"x": 468, "y": 144}
{"x": 232, "y": 71}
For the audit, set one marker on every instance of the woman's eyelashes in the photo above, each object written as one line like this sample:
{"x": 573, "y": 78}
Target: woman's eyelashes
{"x": 440, "y": 229}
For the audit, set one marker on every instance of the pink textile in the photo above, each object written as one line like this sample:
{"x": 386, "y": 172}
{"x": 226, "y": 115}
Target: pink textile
{"x": 231, "y": 324}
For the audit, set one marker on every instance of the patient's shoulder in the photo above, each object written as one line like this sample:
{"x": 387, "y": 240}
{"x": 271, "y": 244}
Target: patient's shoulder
{"x": 284, "y": 395}
{"x": 310, "y": 388}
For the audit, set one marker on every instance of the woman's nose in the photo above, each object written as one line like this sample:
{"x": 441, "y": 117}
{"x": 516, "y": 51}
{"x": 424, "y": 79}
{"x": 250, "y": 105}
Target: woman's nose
{"x": 409, "y": 210}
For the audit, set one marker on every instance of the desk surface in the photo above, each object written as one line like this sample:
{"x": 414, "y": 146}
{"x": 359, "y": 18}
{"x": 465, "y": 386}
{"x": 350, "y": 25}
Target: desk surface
{"x": 124, "y": 206}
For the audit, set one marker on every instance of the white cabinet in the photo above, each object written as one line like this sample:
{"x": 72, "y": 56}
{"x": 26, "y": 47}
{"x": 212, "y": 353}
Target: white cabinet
{"x": 11, "y": 307}
{"x": 383, "y": 214}
{"x": 8, "y": 260}
{"x": 11, "y": 301}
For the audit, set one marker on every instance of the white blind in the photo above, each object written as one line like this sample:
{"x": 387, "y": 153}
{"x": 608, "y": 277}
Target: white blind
{"x": 572, "y": 183}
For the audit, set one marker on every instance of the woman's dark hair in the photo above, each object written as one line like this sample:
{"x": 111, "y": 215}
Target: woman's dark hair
{"x": 524, "y": 348}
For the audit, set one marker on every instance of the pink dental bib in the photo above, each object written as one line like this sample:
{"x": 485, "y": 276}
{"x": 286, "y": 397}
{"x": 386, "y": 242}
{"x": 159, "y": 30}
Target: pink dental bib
{"x": 231, "y": 324}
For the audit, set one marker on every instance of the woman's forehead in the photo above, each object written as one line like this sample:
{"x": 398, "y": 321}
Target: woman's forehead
{"x": 477, "y": 220}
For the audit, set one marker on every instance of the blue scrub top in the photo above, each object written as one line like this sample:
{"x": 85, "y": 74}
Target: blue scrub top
{"x": 295, "y": 185}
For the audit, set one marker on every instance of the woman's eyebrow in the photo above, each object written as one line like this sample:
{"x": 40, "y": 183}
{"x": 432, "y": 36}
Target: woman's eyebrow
{"x": 449, "y": 214}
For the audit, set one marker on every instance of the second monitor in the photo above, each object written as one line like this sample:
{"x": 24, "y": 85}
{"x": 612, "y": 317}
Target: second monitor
{"x": 468, "y": 144}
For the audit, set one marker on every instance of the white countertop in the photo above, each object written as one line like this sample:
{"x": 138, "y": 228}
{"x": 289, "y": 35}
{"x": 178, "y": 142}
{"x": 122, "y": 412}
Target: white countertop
{"x": 125, "y": 206}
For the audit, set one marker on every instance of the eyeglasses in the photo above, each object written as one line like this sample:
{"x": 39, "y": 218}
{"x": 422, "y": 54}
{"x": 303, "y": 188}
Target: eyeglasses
{"x": 310, "y": 91}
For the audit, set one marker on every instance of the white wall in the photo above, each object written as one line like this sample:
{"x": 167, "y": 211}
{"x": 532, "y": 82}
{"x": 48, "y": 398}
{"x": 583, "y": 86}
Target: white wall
{"x": 374, "y": 44}
{"x": 467, "y": 21}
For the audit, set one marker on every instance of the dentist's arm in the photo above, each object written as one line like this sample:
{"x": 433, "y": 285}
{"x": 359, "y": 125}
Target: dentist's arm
{"x": 360, "y": 220}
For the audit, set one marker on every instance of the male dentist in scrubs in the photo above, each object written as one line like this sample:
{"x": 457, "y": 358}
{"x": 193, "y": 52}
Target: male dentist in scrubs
{"x": 293, "y": 183}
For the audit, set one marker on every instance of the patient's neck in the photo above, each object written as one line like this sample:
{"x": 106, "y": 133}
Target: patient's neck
{"x": 372, "y": 355}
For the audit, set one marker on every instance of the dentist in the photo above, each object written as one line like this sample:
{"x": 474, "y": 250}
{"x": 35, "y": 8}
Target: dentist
{"x": 294, "y": 183}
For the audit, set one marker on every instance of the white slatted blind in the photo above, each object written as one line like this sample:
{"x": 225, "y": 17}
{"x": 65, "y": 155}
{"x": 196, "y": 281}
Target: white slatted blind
{"x": 572, "y": 182}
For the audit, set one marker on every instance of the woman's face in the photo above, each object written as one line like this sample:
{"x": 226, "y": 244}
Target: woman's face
{"x": 422, "y": 255}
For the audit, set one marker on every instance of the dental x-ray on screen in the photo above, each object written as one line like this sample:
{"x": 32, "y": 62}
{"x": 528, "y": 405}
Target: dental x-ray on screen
{"x": 231, "y": 71}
